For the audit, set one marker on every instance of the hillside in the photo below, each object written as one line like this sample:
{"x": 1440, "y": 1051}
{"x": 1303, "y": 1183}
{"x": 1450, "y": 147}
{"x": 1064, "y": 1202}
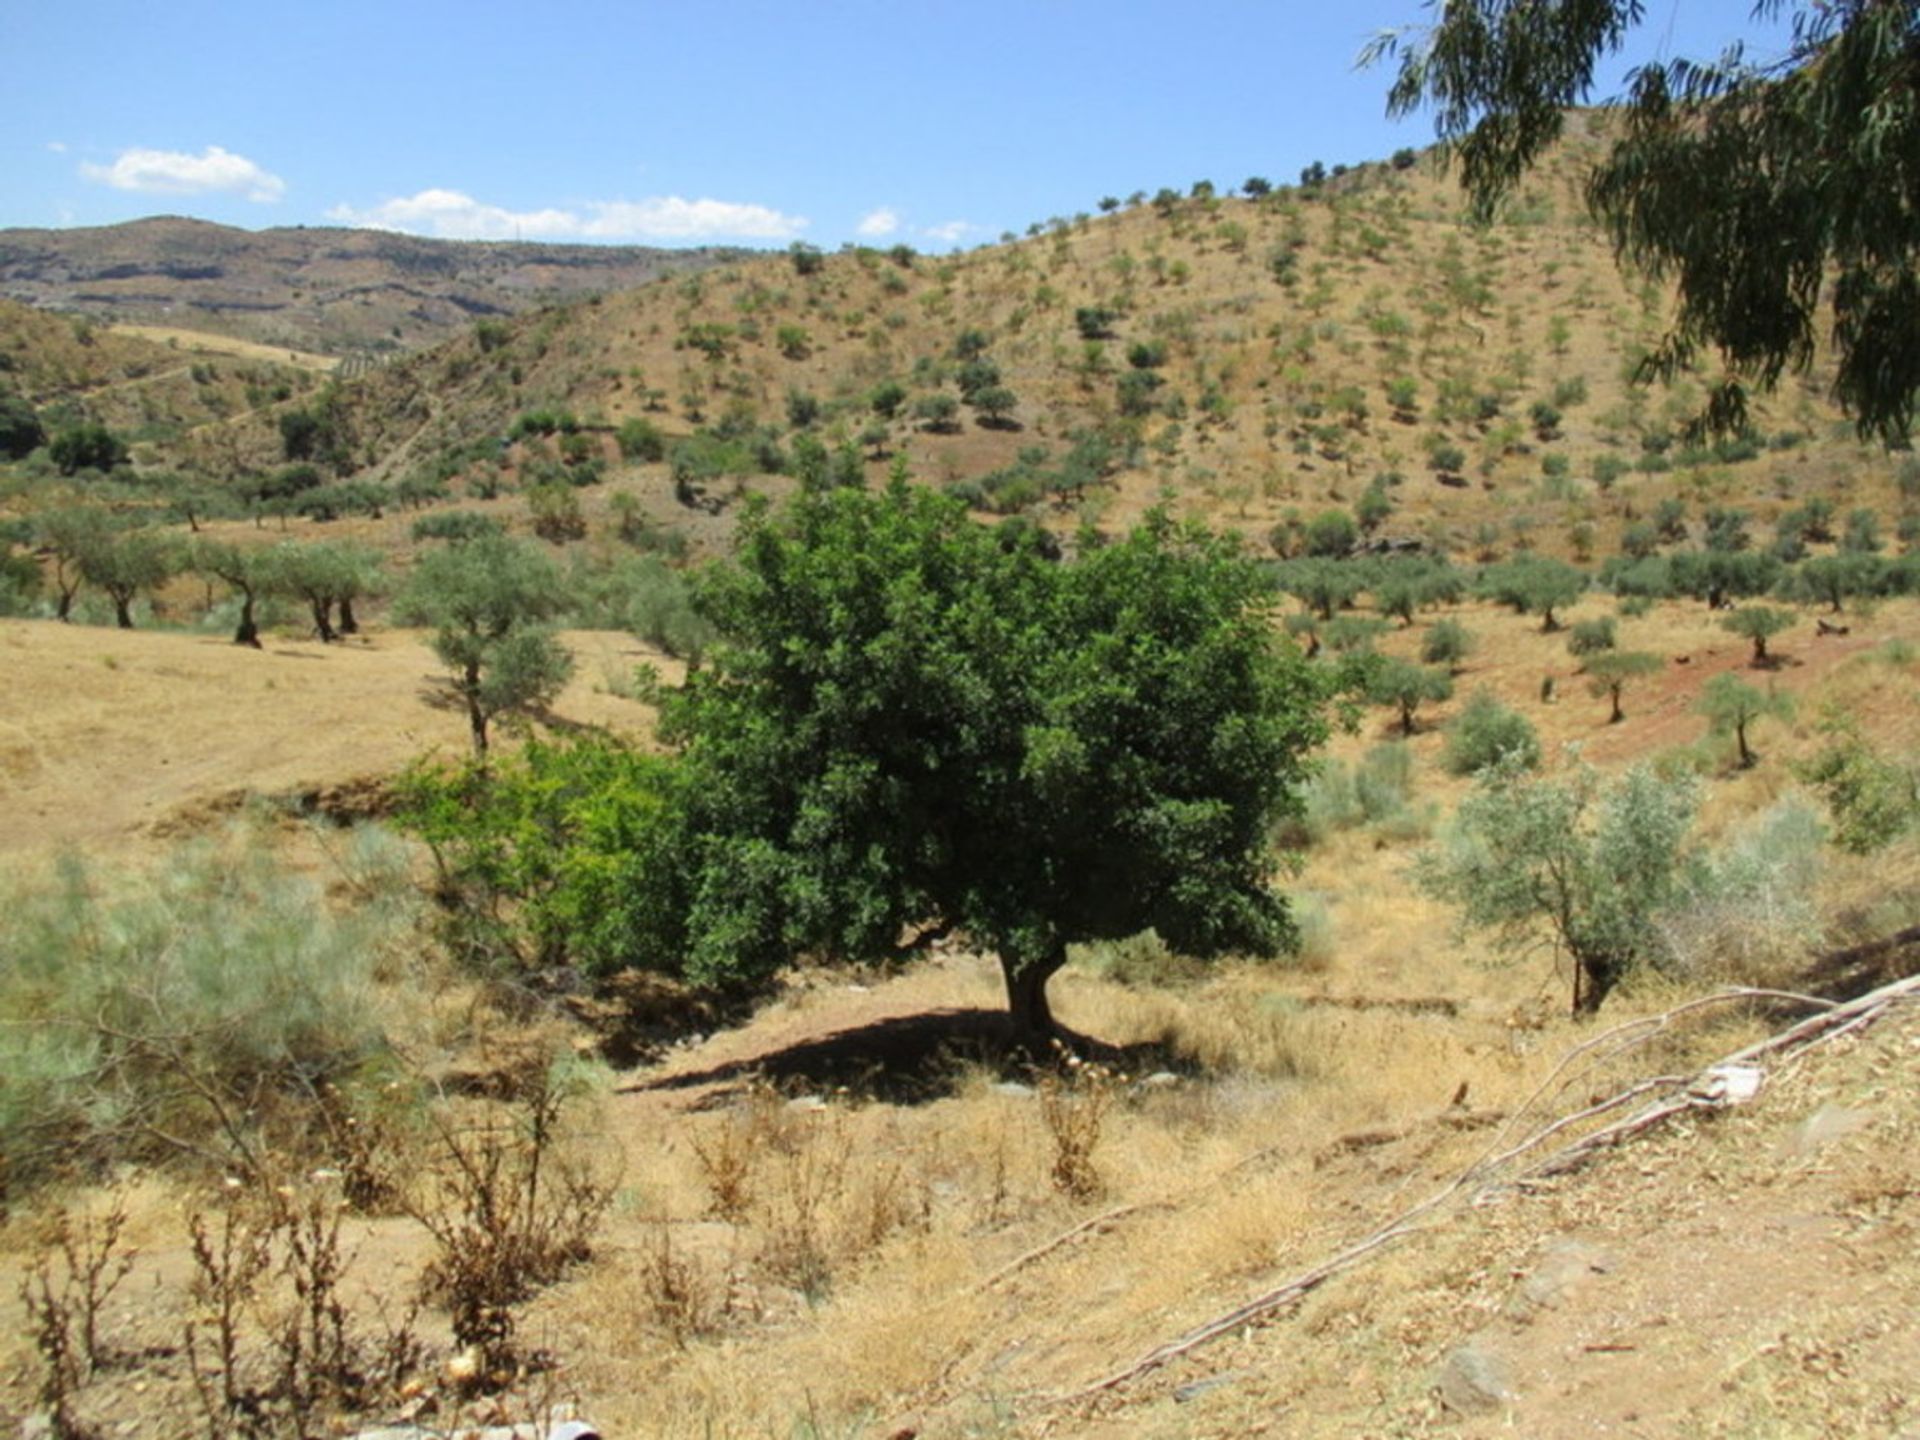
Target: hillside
{"x": 324, "y": 290}
{"x": 1255, "y": 361}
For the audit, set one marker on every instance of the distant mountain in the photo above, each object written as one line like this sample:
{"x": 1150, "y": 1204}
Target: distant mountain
{"x": 325, "y": 290}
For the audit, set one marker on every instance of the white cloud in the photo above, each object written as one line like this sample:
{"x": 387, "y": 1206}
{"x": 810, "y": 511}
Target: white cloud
{"x": 877, "y": 223}
{"x": 951, "y": 233}
{"x": 173, "y": 172}
{"x": 58, "y": 147}
{"x": 452, "y": 215}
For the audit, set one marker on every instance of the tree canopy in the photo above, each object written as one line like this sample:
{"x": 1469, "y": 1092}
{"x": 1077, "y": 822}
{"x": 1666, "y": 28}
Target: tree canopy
{"x": 1766, "y": 191}
{"x": 915, "y": 723}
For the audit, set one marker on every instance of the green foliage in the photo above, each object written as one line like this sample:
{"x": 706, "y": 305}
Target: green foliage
{"x": 87, "y": 446}
{"x": 177, "y": 1013}
{"x": 1332, "y": 534}
{"x": 641, "y": 440}
{"x": 1376, "y": 793}
{"x": 327, "y": 576}
{"x": 553, "y": 857}
{"x": 21, "y": 431}
{"x": 1447, "y": 642}
{"x": 1611, "y": 671}
{"x": 487, "y": 601}
{"x": 1590, "y": 637}
{"x": 1534, "y": 584}
{"x": 1758, "y": 623}
{"x": 555, "y": 512}
{"x": 644, "y": 596}
{"x": 1872, "y": 798}
{"x": 1758, "y": 190}
{"x": 1484, "y": 733}
{"x": 1589, "y": 866}
{"x": 125, "y": 563}
{"x": 1732, "y": 706}
{"x": 1406, "y": 686}
{"x": 456, "y": 525}
{"x": 912, "y": 720}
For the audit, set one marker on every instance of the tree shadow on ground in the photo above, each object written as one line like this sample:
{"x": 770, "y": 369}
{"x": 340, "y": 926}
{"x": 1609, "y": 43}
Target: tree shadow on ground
{"x": 905, "y": 1060}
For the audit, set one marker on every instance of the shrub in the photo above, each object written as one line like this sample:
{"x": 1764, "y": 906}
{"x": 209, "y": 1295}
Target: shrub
{"x": 1591, "y": 866}
{"x": 182, "y": 1013}
{"x": 1872, "y": 799}
{"x": 641, "y": 440}
{"x": 1590, "y": 637}
{"x": 1486, "y": 732}
{"x": 1447, "y": 642}
{"x": 455, "y": 526}
{"x": 540, "y": 860}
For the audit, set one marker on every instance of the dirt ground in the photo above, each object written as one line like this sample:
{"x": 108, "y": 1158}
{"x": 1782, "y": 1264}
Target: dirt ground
{"x": 108, "y": 736}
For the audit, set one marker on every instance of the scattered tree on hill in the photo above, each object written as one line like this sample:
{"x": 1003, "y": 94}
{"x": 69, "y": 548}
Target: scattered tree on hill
{"x": 1758, "y": 623}
{"x": 65, "y": 534}
{"x": 126, "y": 562}
{"x": 327, "y": 576}
{"x": 1761, "y": 191}
{"x": 1590, "y": 637}
{"x": 488, "y": 602}
{"x": 1612, "y": 671}
{"x": 917, "y": 723}
{"x": 1535, "y": 584}
{"x": 1591, "y": 865}
{"x": 1729, "y": 703}
{"x": 250, "y": 570}
{"x": 1332, "y": 534}
{"x": 21, "y": 432}
{"x": 1406, "y": 686}
{"x": 87, "y": 446}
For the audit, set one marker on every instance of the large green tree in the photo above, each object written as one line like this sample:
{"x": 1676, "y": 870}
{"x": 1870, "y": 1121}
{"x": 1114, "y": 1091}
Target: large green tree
{"x": 1766, "y": 192}
{"x": 916, "y": 724}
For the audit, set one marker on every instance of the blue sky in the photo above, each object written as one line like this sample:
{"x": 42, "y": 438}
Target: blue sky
{"x": 923, "y": 121}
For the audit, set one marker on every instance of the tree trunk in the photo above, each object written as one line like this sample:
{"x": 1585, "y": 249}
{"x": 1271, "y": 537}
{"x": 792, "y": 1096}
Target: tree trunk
{"x": 476, "y": 716}
{"x": 1618, "y": 714}
{"x": 122, "y": 608}
{"x": 246, "y": 632}
{"x": 1027, "y": 1000}
{"x": 348, "y": 625}
{"x": 1746, "y": 755}
{"x": 322, "y": 626}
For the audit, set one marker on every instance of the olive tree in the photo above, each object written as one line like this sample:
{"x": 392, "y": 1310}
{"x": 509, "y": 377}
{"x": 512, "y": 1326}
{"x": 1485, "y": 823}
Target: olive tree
{"x": 1730, "y": 704}
{"x": 1587, "y": 866}
{"x": 124, "y": 563}
{"x": 488, "y": 602}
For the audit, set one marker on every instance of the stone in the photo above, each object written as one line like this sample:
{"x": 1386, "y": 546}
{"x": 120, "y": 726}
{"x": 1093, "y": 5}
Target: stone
{"x": 1013, "y": 1088}
{"x": 1472, "y": 1380}
{"x": 1563, "y": 1269}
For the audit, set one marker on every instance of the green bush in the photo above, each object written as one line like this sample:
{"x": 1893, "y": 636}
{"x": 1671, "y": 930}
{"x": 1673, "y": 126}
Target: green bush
{"x": 543, "y": 858}
{"x": 1486, "y": 731}
{"x": 1872, "y": 798}
{"x": 455, "y": 526}
{"x": 195, "y": 1011}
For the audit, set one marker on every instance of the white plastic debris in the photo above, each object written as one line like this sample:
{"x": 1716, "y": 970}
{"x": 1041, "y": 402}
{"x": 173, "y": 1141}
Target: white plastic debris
{"x": 1728, "y": 1084}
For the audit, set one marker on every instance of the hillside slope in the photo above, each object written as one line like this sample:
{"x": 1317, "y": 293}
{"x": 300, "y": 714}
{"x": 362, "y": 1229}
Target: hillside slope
{"x": 1255, "y": 361}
